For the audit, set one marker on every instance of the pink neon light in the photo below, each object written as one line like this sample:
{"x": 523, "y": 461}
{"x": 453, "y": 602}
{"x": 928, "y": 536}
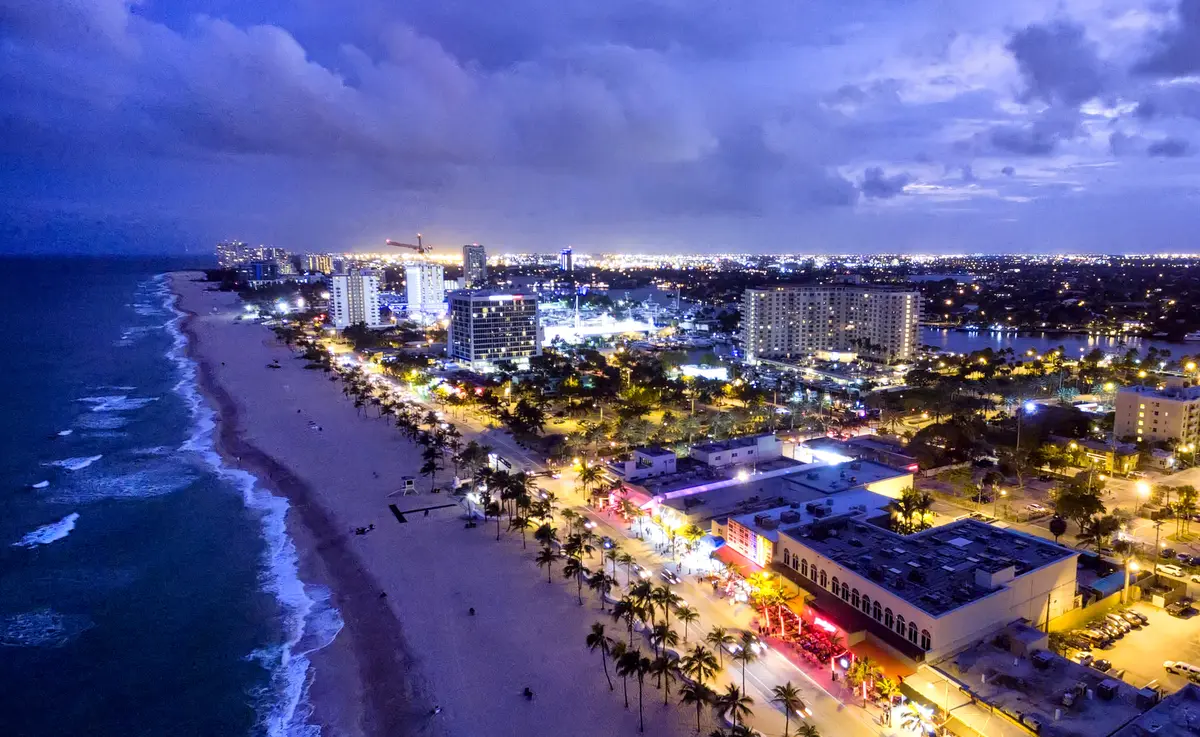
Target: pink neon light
{"x": 824, "y": 625}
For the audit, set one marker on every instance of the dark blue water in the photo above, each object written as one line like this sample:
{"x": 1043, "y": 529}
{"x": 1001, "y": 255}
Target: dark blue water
{"x": 1076, "y": 345}
{"x": 145, "y": 589}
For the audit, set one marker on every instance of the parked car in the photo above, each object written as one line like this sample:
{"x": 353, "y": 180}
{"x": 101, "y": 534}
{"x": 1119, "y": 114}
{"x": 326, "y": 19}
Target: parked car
{"x": 1035, "y": 508}
{"x": 1083, "y": 658}
{"x": 1166, "y": 553}
{"x": 1184, "y": 558}
{"x": 1134, "y": 621}
{"x": 1170, "y": 570}
{"x": 1118, "y": 621}
{"x": 1136, "y": 615}
{"x": 1102, "y": 665}
{"x": 1079, "y": 643}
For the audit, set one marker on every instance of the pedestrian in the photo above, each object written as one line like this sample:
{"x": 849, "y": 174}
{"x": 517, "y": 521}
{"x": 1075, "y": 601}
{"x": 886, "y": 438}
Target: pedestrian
{"x": 436, "y": 710}
{"x": 471, "y": 611}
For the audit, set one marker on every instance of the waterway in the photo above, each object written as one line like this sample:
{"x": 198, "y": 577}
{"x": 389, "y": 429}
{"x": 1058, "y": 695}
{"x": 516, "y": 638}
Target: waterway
{"x": 1076, "y": 344}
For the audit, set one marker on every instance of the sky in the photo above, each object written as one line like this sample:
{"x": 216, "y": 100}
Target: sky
{"x": 651, "y": 126}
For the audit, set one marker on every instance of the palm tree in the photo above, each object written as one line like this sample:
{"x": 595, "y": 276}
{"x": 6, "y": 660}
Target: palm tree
{"x": 546, "y": 557}
{"x": 627, "y": 609}
{"x": 696, "y": 693}
{"x": 719, "y": 637}
{"x": 597, "y": 640}
{"x": 863, "y": 671}
{"x": 666, "y": 670}
{"x": 888, "y": 689}
{"x": 734, "y": 704}
{"x": 687, "y": 615}
{"x": 587, "y": 478}
{"x": 641, "y": 668}
{"x": 807, "y": 730}
{"x": 663, "y": 637}
{"x": 574, "y": 568}
{"x": 745, "y": 654}
{"x": 602, "y": 583}
{"x": 613, "y": 556}
{"x": 699, "y": 663}
{"x": 626, "y": 665}
{"x": 666, "y": 600}
{"x": 626, "y": 560}
{"x": 546, "y": 534}
{"x": 788, "y": 697}
{"x": 520, "y": 523}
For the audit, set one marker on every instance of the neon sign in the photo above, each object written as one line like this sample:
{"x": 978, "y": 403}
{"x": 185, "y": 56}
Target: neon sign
{"x": 824, "y": 625}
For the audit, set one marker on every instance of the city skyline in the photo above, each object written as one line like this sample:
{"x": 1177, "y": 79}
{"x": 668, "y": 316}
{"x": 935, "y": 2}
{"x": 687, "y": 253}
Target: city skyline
{"x": 935, "y": 127}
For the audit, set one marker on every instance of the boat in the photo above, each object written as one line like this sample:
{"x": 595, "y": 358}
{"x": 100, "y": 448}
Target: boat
{"x": 1193, "y": 337}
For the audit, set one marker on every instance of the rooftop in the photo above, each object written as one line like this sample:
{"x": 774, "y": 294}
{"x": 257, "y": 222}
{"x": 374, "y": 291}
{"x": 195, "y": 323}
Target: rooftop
{"x": 806, "y": 508}
{"x": 1173, "y": 393}
{"x": 1178, "y": 715}
{"x": 654, "y": 451}
{"x": 691, "y": 474}
{"x": 830, "y": 479}
{"x": 716, "y": 446}
{"x": 938, "y": 570}
{"x": 1017, "y": 686}
{"x": 741, "y": 497}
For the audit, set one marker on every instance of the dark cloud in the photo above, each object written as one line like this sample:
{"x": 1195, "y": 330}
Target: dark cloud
{"x": 1058, "y": 63}
{"x": 1169, "y": 148}
{"x": 876, "y": 185}
{"x": 1008, "y": 171}
{"x": 1176, "y": 51}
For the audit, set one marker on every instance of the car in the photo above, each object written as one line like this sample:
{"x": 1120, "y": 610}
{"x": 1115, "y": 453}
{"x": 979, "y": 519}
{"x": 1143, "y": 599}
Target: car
{"x": 556, "y": 474}
{"x": 1137, "y": 474}
{"x": 1036, "y": 508}
{"x": 1134, "y": 621}
{"x": 1102, "y": 665}
{"x": 1129, "y": 613}
{"x": 1184, "y": 558}
{"x": 607, "y": 543}
{"x": 669, "y": 576}
{"x": 1195, "y": 578}
{"x": 1083, "y": 658}
{"x": 1170, "y": 570}
{"x": 1079, "y": 643}
{"x": 1166, "y": 553}
{"x": 1118, "y": 621}
{"x": 640, "y": 571}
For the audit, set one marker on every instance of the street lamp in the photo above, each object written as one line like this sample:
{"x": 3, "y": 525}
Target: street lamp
{"x": 1143, "y": 490}
{"x": 996, "y": 503}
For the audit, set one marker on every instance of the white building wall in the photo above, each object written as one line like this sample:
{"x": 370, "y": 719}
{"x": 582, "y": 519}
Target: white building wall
{"x": 354, "y": 298}
{"x": 425, "y": 286}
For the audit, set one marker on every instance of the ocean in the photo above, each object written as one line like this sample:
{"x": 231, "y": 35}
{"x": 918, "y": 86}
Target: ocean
{"x": 145, "y": 588}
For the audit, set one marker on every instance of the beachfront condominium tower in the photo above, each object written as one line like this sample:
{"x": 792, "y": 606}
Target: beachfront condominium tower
{"x": 1170, "y": 414}
{"x": 880, "y": 323}
{"x": 474, "y": 265}
{"x": 425, "y": 287}
{"x": 566, "y": 260}
{"x": 232, "y": 253}
{"x": 355, "y": 299}
{"x": 487, "y": 327}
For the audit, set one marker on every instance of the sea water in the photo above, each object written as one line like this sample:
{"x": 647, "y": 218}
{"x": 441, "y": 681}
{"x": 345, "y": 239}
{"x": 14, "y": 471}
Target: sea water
{"x": 146, "y": 588}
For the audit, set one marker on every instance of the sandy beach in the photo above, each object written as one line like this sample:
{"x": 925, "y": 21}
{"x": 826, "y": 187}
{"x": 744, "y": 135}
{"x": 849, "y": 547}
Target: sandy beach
{"x": 398, "y": 656}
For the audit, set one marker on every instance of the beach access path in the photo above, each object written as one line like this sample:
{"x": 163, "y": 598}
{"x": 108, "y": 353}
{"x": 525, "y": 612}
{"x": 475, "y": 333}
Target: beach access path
{"x": 402, "y": 654}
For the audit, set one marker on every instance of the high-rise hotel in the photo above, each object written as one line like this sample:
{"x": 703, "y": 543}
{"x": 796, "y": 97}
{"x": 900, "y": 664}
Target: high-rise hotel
{"x": 355, "y": 299}
{"x": 487, "y": 327}
{"x": 881, "y": 323}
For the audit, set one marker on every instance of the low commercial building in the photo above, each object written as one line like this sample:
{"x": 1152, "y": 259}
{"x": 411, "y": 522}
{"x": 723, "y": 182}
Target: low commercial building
{"x": 1170, "y": 414}
{"x": 1178, "y": 715}
{"x": 644, "y": 463}
{"x": 1107, "y": 457}
{"x": 928, "y": 594}
{"x": 738, "y": 451}
{"x": 488, "y": 327}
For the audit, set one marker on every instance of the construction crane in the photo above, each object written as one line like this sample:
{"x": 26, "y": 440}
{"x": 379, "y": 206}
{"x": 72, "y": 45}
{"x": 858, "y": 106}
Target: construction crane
{"x": 420, "y": 248}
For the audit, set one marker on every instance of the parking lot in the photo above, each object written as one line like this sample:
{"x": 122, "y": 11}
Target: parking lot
{"x": 1140, "y": 653}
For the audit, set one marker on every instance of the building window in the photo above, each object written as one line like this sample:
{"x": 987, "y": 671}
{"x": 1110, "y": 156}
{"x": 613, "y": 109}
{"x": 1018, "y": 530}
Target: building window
{"x": 855, "y": 601}
{"x": 875, "y": 611}
{"x": 900, "y": 624}
{"x": 803, "y": 568}
{"x": 824, "y": 581}
{"x": 835, "y": 585}
{"x": 925, "y": 644}
{"x": 845, "y": 592}
{"x": 787, "y": 558}
{"x": 795, "y": 562}
{"x": 912, "y": 632}
{"x": 889, "y": 621}
{"x": 866, "y": 605}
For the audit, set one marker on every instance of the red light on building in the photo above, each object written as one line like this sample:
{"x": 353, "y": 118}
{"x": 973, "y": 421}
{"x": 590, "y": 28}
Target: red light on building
{"x": 911, "y": 467}
{"x": 828, "y": 627}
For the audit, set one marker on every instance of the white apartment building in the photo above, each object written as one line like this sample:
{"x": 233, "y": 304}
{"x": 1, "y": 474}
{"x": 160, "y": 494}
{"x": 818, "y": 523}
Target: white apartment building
{"x": 487, "y": 327}
{"x": 425, "y": 285}
{"x": 475, "y": 267}
{"x": 929, "y": 594}
{"x": 1169, "y": 414}
{"x": 877, "y": 322}
{"x": 354, "y": 299}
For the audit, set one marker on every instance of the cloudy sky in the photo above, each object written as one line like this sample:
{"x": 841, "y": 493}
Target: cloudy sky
{"x": 817, "y": 126}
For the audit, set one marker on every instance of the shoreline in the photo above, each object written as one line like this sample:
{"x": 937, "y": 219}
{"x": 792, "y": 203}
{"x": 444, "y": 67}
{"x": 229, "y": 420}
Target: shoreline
{"x": 325, "y": 560}
{"x": 468, "y": 621}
